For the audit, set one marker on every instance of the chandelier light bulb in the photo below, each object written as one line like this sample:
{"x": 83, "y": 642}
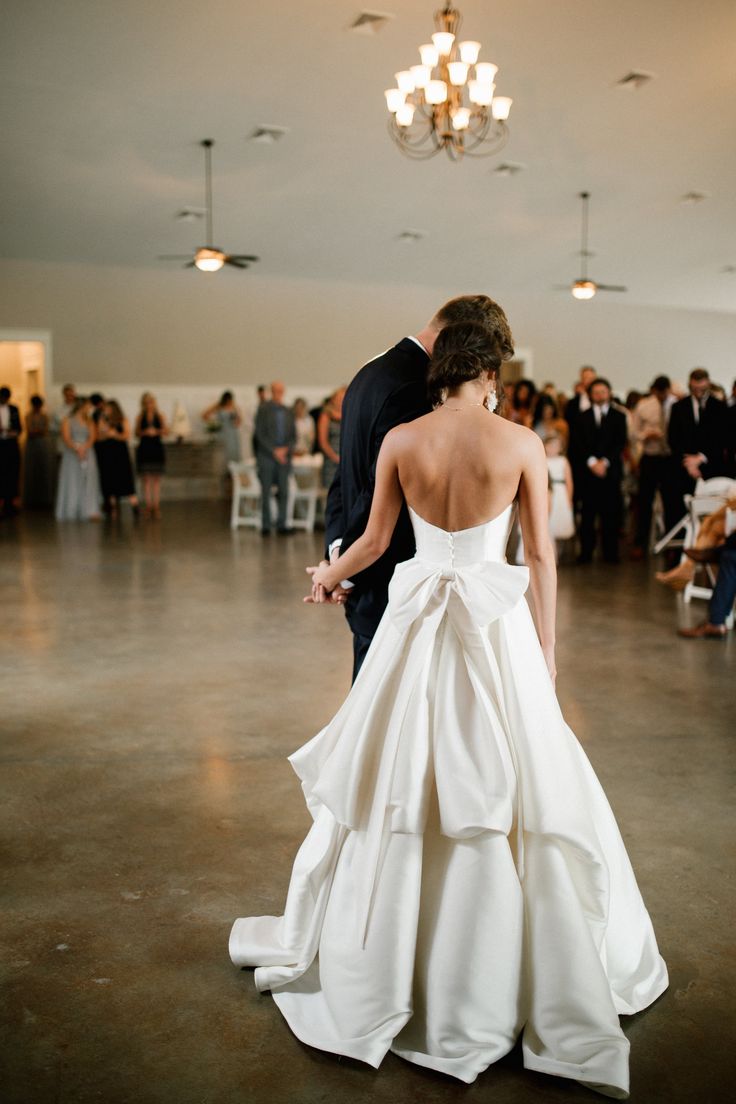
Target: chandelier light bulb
{"x": 429, "y": 55}
{"x": 405, "y": 81}
{"x": 583, "y": 289}
{"x": 458, "y": 71}
{"x": 461, "y": 119}
{"x": 394, "y": 99}
{"x": 485, "y": 72}
{"x": 480, "y": 94}
{"x": 501, "y": 107}
{"x": 443, "y": 40}
{"x": 435, "y": 92}
{"x": 469, "y": 52}
{"x": 405, "y": 115}
{"x": 421, "y": 75}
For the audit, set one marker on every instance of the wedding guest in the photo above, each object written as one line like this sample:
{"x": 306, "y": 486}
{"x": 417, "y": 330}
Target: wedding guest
{"x": 506, "y": 404}
{"x": 657, "y": 471}
{"x": 262, "y": 396}
{"x": 10, "y": 430}
{"x": 706, "y": 547}
{"x": 575, "y": 407}
{"x": 722, "y": 600}
{"x": 113, "y": 452}
{"x": 98, "y": 406}
{"x": 78, "y": 491}
{"x": 225, "y": 414}
{"x": 328, "y": 434}
{"x": 522, "y": 403}
{"x": 150, "y": 454}
{"x": 304, "y": 426}
{"x": 561, "y": 517}
{"x": 697, "y": 435}
{"x": 718, "y": 392}
{"x": 275, "y": 436}
{"x": 547, "y": 420}
{"x": 39, "y": 464}
{"x": 602, "y": 438}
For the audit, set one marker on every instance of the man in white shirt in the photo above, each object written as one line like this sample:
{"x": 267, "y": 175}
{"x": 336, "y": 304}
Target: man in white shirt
{"x": 657, "y": 471}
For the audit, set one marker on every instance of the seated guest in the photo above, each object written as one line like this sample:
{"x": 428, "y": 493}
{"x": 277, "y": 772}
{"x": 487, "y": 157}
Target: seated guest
{"x": 657, "y": 471}
{"x": 39, "y": 461}
{"x": 10, "y": 430}
{"x": 602, "y": 438}
{"x": 722, "y": 599}
{"x": 706, "y": 548}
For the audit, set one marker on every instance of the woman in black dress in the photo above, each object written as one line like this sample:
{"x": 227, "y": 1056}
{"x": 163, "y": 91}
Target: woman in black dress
{"x": 113, "y": 458}
{"x": 150, "y": 455}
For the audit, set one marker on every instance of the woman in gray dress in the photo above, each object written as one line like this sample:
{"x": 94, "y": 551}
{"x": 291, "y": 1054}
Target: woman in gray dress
{"x": 226, "y": 415}
{"x": 78, "y": 493}
{"x": 328, "y": 434}
{"x": 39, "y": 459}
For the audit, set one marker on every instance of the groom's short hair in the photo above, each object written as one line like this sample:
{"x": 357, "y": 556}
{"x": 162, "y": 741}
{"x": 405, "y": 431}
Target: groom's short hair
{"x": 481, "y": 310}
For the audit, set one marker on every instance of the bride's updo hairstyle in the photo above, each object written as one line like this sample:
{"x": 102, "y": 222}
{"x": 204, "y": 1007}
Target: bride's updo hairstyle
{"x": 462, "y": 352}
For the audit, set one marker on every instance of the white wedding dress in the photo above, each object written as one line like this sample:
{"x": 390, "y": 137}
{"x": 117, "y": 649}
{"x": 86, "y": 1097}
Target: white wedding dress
{"x": 464, "y": 880}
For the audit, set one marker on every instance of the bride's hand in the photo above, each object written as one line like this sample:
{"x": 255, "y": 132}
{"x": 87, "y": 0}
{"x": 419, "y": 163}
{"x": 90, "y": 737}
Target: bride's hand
{"x": 322, "y": 591}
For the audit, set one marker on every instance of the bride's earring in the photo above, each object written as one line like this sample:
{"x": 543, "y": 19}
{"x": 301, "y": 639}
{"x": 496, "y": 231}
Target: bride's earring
{"x": 492, "y": 398}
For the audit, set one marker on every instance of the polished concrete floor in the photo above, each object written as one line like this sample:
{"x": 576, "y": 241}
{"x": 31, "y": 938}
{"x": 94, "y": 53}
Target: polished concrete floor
{"x": 153, "y": 680}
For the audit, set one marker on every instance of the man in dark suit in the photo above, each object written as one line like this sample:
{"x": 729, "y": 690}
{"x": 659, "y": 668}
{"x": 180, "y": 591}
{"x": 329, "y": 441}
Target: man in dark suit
{"x": 386, "y": 392}
{"x": 602, "y": 435}
{"x": 698, "y": 433}
{"x": 578, "y": 404}
{"x": 274, "y": 437}
{"x": 10, "y": 428}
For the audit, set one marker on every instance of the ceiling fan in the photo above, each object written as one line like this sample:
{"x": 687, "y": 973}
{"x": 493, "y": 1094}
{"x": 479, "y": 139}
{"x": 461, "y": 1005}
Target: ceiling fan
{"x": 208, "y": 258}
{"x": 584, "y": 287}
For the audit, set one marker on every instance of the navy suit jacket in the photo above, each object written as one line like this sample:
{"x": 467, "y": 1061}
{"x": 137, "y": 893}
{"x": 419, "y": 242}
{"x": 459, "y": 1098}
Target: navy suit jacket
{"x": 386, "y": 392}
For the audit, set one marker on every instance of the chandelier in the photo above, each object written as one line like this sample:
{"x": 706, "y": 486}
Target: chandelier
{"x": 448, "y": 101}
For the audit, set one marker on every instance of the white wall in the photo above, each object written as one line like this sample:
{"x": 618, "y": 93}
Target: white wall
{"x": 118, "y": 327}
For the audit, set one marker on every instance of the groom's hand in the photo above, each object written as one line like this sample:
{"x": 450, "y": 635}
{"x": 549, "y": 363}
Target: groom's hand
{"x": 320, "y": 596}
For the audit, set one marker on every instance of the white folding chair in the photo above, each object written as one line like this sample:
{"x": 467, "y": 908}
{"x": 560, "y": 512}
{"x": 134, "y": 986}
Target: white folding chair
{"x": 246, "y": 500}
{"x": 305, "y": 491}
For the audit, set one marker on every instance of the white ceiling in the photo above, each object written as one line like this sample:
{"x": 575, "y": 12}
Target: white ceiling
{"x": 102, "y": 105}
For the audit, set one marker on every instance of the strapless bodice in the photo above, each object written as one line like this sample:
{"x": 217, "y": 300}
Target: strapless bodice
{"x": 462, "y": 547}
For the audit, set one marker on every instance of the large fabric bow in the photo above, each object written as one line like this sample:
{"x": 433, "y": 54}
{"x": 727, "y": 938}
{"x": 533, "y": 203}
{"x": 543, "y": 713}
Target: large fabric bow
{"x": 487, "y": 590}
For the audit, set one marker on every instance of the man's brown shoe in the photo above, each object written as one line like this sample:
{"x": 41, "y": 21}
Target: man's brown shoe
{"x": 704, "y": 555}
{"x": 705, "y": 631}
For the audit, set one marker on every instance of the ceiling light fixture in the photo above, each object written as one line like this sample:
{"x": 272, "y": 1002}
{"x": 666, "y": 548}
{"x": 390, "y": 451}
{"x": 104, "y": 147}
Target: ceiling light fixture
{"x": 448, "y": 102}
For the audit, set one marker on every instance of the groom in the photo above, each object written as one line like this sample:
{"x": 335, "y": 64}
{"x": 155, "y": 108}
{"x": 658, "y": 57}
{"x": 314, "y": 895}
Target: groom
{"x": 386, "y": 392}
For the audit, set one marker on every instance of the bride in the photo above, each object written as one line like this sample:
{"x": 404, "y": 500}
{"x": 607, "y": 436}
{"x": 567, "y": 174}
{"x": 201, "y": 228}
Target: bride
{"x": 464, "y": 881}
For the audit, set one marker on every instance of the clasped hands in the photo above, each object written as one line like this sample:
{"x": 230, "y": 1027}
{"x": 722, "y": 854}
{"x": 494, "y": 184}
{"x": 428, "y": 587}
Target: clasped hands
{"x": 691, "y": 463}
{"x": 325, "y": 590}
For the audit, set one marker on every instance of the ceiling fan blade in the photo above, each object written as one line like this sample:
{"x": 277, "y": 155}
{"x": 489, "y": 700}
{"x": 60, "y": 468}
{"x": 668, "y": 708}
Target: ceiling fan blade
{"x": 611, "y": 287}
{"x": 236, "y": 264}
{"x": 176, "y": 257}
{"x": 243, "y": 257}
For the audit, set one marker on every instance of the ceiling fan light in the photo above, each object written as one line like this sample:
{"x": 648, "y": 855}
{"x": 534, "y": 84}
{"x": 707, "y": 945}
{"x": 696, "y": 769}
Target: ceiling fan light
{"x": 405, "y": 81}
{"x": 485, "y": 72}
{"x": 209, "y": 260}
{"x": 394, "y": 99}
{"x": 458, "y": 71}
{"x": 583, "y": 289}
{"x": 480, "y": 94}
{"x": 469, "y": 52}
{"x": 405, "y": 115}
{"x": 435, "y": 92}
{"x": 421, "y": 75}
{"x": 443, "y": 40}
{"x": 501, "y": 107}
{"x": 429, "y": 54}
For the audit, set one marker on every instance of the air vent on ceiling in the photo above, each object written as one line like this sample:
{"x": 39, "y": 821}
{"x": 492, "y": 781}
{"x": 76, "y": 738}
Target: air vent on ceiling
{"x": 267, "y": 135}
{"x": 508, "y": 168}
{"x": 190, "y": 214}
{"x": 411, "y": 237}
{"x": 689, "y": 199}
{"x": 634, "y": 80}
{"x": 370, "y": 22}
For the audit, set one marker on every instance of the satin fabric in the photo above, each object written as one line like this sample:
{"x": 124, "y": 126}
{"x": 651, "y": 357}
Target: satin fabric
{"x": 464, "y": 880}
